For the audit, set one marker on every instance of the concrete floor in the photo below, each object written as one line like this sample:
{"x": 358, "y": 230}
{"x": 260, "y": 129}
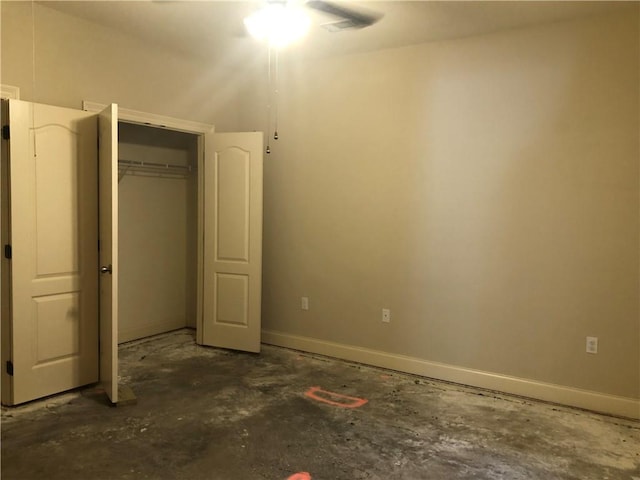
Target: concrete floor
{"x": 205, "y": 413}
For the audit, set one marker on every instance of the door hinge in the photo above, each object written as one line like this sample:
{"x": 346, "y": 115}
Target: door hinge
{"x": 5, "y": 132}
{"x": 10, "y": 367}
{"x": 7, "y": 252}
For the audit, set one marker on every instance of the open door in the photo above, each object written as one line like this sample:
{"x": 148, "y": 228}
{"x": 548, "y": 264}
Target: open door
{"x": 52, "y": 173}
{"x": 108, "y": 241}
{"x": 232, "y": 283}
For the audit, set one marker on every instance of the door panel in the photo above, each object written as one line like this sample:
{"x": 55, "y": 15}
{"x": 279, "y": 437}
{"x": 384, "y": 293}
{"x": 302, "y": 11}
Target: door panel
{"x": 232, "y": 201}
{"x": 108, "y": 233}
{"x": 232, "y": 183}
{"x": 53, "y": 173}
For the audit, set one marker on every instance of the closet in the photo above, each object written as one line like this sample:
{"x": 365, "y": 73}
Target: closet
{"x": 177, "y": 222}
{"x": 157, "y": 189}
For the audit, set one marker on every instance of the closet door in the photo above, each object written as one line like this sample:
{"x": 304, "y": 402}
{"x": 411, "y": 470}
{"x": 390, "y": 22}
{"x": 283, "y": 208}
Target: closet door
{"x": 54, "y": 265}
{"x": 108, "y": 234}
{"x": 232, "y": 184}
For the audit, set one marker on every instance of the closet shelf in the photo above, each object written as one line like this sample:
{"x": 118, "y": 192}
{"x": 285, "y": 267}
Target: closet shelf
{"x": 152, "y": 168}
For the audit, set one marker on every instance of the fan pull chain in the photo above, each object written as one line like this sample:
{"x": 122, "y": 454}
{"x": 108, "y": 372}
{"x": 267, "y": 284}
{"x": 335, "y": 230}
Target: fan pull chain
{"x": 275, "y": 133}
{"x": 269, "y": 87}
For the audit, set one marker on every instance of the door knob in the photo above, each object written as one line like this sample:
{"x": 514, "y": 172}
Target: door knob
{"x": 106, "y": 269}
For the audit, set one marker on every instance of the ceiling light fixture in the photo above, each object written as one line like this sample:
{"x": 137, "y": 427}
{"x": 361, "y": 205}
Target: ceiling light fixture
{"x": 279, "y": 23}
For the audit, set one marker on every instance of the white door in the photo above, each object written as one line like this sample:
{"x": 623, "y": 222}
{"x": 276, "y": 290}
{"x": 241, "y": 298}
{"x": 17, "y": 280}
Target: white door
{"x": 108, "y": 235}
{"x": 53, "y": 174}
{"x": 232, "y": 184}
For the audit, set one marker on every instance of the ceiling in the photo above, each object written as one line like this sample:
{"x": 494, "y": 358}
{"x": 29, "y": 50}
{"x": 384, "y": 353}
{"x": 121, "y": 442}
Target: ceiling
{"x": 209, "y": 29}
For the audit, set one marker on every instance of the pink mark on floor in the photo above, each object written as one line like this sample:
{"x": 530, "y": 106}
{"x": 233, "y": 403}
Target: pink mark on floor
{"x": 385, "y": 377}
{"x": 300, "y": 476}
{"x": 335, "y": 399}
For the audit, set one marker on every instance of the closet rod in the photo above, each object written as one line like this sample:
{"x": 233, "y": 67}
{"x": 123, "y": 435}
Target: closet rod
{"x": 164, "y": 166}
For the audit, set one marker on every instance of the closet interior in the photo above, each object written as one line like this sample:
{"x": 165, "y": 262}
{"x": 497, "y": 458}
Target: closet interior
{"x": 157, "y": 189}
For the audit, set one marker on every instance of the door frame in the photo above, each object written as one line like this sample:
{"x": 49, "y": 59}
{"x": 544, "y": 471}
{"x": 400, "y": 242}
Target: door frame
{"x": 187, "y": 126}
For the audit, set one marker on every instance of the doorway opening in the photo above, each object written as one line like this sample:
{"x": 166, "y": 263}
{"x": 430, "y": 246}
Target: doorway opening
{"x": 158, "y": 230}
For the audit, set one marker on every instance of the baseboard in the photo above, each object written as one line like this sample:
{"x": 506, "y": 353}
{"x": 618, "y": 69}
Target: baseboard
{"x": 148, "y": 330}
{"x": 597, "y": 402}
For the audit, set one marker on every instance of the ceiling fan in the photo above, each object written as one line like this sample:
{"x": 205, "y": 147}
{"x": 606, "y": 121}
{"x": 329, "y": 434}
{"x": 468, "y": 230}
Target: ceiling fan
{"x": 283, "y": 21}
{"x": 350, "y": 17}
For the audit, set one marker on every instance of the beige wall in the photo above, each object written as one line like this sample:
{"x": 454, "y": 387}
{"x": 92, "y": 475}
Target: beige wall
{"x": 77, "y": 60}
{"x": 485, "y": 190}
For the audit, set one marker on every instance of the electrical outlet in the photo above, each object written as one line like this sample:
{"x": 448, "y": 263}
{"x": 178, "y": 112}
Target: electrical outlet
{"x": 304, "y": 303}
{"x": 386, "y": 315}
{"x": 592, "y": 344}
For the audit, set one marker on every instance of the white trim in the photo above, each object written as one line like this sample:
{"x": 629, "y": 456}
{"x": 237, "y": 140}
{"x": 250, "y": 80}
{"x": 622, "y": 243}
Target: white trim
{"x": 143, "y": 118}
{"x": 574, "y": 397}
{"x": 10, "y": 92}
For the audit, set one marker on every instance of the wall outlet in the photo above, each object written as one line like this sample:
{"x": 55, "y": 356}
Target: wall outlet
{"x": 592, "y": 344}
{"x": 386, "y": 315}
{"x": 304, "y": 303}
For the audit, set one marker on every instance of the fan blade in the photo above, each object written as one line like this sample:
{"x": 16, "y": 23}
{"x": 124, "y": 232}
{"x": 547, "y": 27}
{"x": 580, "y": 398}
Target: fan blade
{"x": 357, "y": 19}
